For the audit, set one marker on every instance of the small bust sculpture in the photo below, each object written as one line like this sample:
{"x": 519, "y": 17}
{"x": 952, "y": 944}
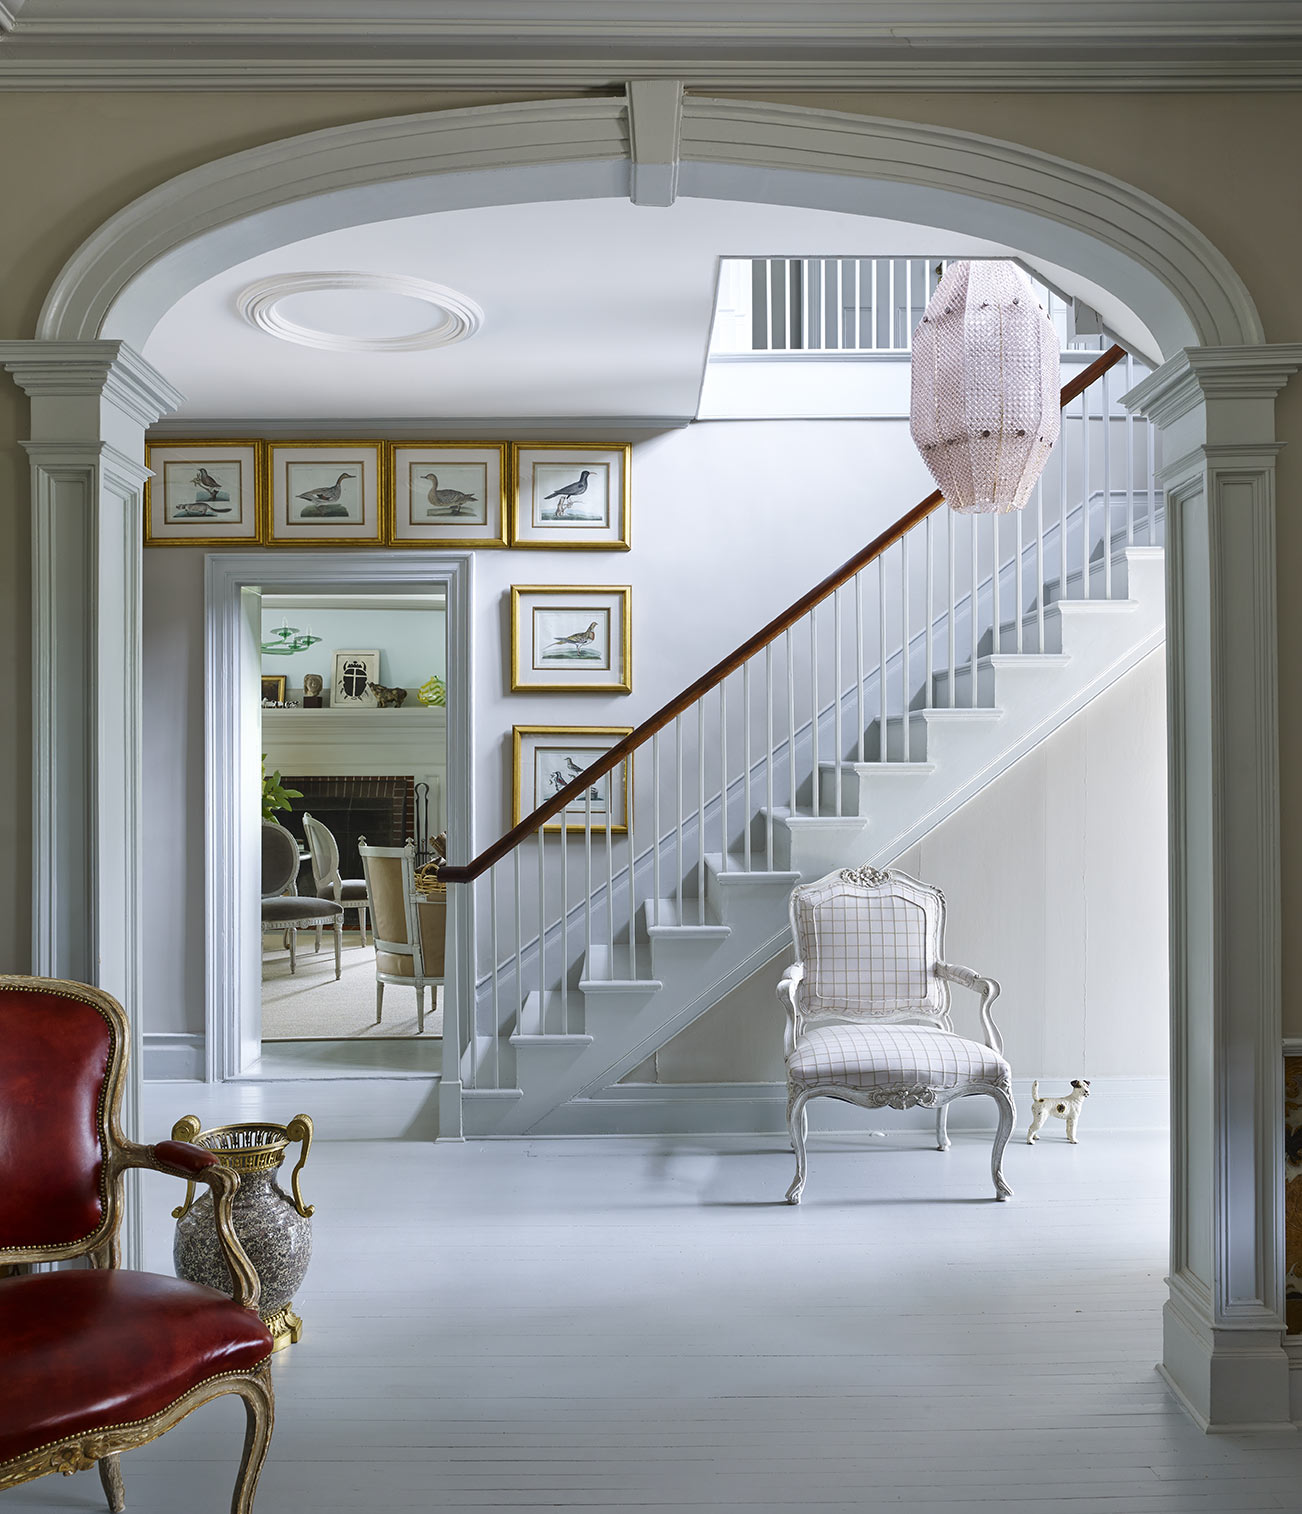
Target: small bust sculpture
{"x": 312, "y": 684}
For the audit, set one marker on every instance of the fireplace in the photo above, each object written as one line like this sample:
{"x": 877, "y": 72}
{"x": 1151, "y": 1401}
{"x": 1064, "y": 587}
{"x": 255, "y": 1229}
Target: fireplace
{"x": 383, "y": 810}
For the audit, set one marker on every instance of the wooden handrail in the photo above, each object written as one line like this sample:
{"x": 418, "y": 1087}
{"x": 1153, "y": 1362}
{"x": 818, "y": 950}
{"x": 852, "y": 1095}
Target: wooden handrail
{"x": 505, "y": 844}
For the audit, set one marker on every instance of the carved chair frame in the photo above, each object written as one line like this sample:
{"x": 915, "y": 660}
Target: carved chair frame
{"x": 102, "y": 1445}
{"x": 794, "y": 996}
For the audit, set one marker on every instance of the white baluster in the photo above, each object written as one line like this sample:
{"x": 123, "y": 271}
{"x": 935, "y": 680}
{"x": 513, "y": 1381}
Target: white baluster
{"x": 822, "y": 304}
{"x": 655, "y": 824}
{"x": 1061, "y": 450}
{"x": 908, "y": 303}
{"x": 858, "y": 657}
{"x": 950, "y": 614}
{"x": 786, "y": 299}
{"x": 840, "y": 305}
{"x": 1018, "y": 602}
{"x": 996, "y": 604}
{"x": 768, "y": 304}
{"x": 746, "y": 811}
{"x": 1152, "y": 484}
{"x": 890, "y": 314}
{"x": 873, "y": 346}
{"x": 519, "y": 932}
{"x": 973, "y": 616}
{"x": 587, "y": 881}
{"x": 1087, "y": 523}
{"x": 723, "y": 768}
{"x": 883, "y": 743}
{"x": 700, "y": 810}
{"x": 565, "y": 928}
{"x": 791, "y": 717}
{"x": 812, "y": 618}
{"x": 1039, "y": 563}
{"x": 630, "y": 811}
{"x": 768, "y": 754}
{"x": 1107, "y": 490}
{"x": 1130, "y": 457}
{"x": 930, "y": 610}
{"x": 542, "y": 924}
{"x": 492, "y": 967}
{"x": 836, "y": 697}
{"x": 858, "y": 311}
{"x": 907, "y": 736}
{"x": 610, "y": 872}
{"x": 680, "y": 858}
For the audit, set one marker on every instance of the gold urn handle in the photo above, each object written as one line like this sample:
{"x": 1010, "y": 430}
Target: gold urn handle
{"x": 186, "y": 1129}
{"x": 300, "y": 1129}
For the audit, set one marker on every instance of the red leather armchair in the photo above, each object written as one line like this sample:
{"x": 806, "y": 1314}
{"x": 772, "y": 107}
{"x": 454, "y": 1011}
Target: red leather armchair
{"x": 98, "y": 1361}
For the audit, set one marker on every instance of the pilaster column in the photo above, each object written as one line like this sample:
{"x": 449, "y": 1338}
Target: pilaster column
{"x": 90, "y": 405}
{"x": 1223, "y": 1321}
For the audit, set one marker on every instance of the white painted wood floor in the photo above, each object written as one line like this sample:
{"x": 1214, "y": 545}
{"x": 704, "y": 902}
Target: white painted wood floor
{"x": 641, "y": 1324}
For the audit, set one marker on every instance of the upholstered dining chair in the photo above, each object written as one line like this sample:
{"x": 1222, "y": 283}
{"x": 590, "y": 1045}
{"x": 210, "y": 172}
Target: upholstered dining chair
{"x": 99, "y": 1361}
{"x": 287, "y": 911}
{"x": 324, "y": 852}
{"x": 867, "y": 1004}
{"x": 409, "y": 931}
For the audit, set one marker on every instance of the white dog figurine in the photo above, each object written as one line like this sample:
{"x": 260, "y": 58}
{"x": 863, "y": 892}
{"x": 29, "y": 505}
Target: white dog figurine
{"x": 1066, "y": 1108}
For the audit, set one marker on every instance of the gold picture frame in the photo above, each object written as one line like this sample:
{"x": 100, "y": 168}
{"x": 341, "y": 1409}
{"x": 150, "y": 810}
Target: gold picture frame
{"x": 571, "y": 495}
{"x": 205, "y": 493}
{"x": 546, "y": 757}
{"x": 325, "y": 494}
{"x": 273, "y": 687}
{"x": 465, "y": 502}
{"x": 572, "y": 638}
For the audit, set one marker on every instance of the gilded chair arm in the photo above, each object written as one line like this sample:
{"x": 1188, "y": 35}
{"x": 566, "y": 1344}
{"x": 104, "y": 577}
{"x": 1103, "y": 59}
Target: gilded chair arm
{"x": 988, "y": 988}
{"x": 787, "y": 986}
{"x": 180, "y": 1159}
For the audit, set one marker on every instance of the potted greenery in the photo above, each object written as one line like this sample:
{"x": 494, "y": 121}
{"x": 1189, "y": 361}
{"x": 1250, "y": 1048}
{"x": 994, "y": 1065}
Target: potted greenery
{"x": 275, "y": 796}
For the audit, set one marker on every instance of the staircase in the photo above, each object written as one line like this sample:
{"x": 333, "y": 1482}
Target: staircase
{"x": 839, "y": 734}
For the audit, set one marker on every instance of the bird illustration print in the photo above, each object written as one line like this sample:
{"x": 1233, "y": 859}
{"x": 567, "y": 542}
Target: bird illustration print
{"x": 204, "y": 483}
{"x": 568, "y": 493}
{"x": 576, "y": 643}
{"x": 452, "y": 500}
{"x": 325, "y": 501}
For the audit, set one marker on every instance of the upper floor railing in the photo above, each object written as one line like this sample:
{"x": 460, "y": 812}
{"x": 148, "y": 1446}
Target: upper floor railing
{"x": 838, "y": 305}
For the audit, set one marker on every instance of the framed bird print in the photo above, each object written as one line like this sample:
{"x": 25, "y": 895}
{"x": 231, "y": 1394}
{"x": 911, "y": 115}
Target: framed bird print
{"x": 575, "y": 639}
{"x": 570, "y": 495}
{"x": 324, "y": 494}
{"x": 548, "y": 757}
{"x": 447, "y": 494}
{"x": 203, "y": 494}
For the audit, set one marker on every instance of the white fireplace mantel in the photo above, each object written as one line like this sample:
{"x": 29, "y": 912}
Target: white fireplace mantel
{"x": 362, "y": 743}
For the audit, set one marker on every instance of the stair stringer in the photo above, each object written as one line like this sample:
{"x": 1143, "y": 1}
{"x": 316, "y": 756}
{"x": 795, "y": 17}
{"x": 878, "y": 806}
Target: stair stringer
{"x": 1121, "y": 634}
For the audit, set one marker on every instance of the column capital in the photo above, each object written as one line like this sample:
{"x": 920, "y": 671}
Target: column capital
{"x": 110, "y": 370}
{"x": 1196, "y": 375}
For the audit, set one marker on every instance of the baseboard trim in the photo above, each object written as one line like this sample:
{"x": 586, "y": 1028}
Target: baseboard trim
{"x": 760, "y": 1108}
{"x": 172, "y": 1057}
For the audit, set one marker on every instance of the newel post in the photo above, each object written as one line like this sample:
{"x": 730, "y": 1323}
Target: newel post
{"x": 1223, "y": 1347}
{"x": 90, "y": 405}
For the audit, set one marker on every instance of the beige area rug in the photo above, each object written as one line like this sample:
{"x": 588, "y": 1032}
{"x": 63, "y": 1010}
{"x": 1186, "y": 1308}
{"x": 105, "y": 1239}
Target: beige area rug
{"x": 312, "y": 1006}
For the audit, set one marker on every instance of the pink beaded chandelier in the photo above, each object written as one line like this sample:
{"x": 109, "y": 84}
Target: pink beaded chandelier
{"x": 985, "y": 411}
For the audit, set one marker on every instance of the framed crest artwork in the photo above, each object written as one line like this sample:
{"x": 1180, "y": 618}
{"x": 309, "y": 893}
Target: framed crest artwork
{"x": 547, "y": 757}
{"x": 324, "y": 494}
{"x": 447, "y": 494}
{"x": 565, "y": 495}
{"x": 203, "y": 494}
{"x": 350, "y": 686}
{"x": 572, "y": 638}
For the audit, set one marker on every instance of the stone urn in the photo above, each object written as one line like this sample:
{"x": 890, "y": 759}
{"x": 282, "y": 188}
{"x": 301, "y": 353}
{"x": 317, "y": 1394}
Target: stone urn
{"x": 274, "y": 1227}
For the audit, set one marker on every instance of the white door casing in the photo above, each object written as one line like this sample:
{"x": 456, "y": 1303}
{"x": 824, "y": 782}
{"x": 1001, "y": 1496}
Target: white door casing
{"x": 1223, "y": 1343}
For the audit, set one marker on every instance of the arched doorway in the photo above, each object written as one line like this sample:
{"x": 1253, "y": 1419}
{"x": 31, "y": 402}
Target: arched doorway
{"x": 93, "y": 397}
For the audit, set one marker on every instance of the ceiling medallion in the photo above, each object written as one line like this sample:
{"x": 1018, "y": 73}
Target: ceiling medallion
{"x": 454, "y": 316}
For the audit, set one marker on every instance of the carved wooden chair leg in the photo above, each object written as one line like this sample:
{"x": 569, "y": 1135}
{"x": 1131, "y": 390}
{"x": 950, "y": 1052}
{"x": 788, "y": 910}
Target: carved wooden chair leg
{"x": 293, "y": 952}
{"x": 420, "y": 1009}
{"x": 260, "y": 1407}
{"x": 110, "y": 1475}
{"x": 1007, "y": 1117}
{"x": 798, "y": 1125}
{"x": 317, "y": 947}
{"x": 361, "y": 921}
{"x": 339, "y": 946}
{"x": 379, "y": 1002}
{"x": 942, "y": 1128}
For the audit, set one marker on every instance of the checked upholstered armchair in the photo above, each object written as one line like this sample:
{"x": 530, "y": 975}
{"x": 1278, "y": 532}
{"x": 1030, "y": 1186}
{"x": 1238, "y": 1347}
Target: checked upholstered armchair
{"x": 97, "y": 1361}
{"x": 867, "y": 1004}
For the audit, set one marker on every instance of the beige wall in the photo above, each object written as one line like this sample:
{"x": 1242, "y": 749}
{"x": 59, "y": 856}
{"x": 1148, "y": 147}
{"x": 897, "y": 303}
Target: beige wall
{"x": 1055, "y": 881}
{"x": 75, "y": 159}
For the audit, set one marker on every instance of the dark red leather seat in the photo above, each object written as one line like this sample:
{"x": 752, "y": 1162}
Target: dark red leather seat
{"x": 87, "y": 1350}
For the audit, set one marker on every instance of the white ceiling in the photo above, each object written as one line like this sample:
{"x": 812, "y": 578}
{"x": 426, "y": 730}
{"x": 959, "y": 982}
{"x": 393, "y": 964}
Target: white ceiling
{"x": 301, "y": 44}
{"x": 597, "y": 309}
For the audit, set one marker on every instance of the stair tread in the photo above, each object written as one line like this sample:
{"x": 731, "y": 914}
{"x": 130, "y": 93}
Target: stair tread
{"x": 534, "y": 1013}
{"x": 664, "y": 917}
{"x": 736, "y": 871}
{"x": 601, "y": 974}
{"x": 862, "y": 769}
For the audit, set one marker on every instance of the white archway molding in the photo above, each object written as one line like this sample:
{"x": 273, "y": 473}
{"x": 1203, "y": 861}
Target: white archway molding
{"x": 122, "y": 279}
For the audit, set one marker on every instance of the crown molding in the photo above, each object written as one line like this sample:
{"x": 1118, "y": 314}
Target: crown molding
{"x": 111, "y": 369}
{"x": 145, "y": 72}
{"x": 1213, "y": 373}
